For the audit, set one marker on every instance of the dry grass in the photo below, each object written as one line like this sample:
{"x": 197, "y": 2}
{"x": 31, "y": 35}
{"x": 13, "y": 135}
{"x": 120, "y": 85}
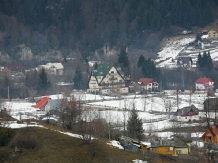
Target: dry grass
{"x": 56, "y": 147}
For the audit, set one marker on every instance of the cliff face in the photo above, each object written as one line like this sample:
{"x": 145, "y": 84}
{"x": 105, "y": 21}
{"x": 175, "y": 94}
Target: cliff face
{"x": 59, "y": 28}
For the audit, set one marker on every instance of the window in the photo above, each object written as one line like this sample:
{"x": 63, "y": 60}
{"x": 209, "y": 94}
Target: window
{"x": 167, "y": 149}
{"x": 178, "y": 152}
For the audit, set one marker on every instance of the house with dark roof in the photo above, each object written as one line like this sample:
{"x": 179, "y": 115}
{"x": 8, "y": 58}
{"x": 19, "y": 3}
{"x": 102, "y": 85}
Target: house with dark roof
{"x": 107, "y": 79}
{"x": 187, "y": 111}
{"x": 172, "y": 147}
{"x": 204, "y": 84}
{"x": 211, "y": 135}
{"x": 148, "y": 84}
{"x": 213, "y": 33}
{"x": 184, "y": 61}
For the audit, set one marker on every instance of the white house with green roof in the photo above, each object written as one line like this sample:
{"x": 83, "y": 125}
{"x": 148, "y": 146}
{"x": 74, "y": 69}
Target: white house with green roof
{"x": 107, "y": 79}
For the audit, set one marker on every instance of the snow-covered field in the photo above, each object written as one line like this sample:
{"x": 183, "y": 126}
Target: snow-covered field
{"x": 150, "y": 107}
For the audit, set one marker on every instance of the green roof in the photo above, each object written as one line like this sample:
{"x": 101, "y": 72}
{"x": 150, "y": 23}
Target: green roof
{"x": 102, "y": 69}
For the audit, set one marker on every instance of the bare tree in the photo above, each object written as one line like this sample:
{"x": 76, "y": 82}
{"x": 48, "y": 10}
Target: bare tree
{"x": 70, "y": 111}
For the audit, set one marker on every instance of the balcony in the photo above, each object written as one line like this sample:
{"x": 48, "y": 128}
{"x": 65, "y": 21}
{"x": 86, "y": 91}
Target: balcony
{"x": 112, "y": 78}
{"x": 113, "y": 83}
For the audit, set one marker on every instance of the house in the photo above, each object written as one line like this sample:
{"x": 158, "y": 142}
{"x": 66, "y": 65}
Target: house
{"x": 53, "y": 68}
{"x": 107, "y": 79}
{"x": 148, "y": 84}
{"x": 187, "y": 111}
{"x": 16, "y": 67}
{"x": 211, "y": 135}
{"x": 213, "y": 33}
{"x": 41, "y": 105}
{"x": 184, "y": 62}
{"x": 204, "y": 32}
{"x": 204, "y": 84}
{"x": 171, "y": 147}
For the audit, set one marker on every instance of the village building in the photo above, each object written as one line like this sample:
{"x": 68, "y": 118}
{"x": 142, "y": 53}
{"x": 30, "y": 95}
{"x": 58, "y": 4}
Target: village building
{"x": 213, "y": 33}
{"x": 148, "y": 84}
{"x": 171, "y": 147}
{"x": 53, "y": 68}
{"x": 211, "y": 135}
{"x": 184, "y": 62}
{"x": 107, "y": 79}
{"x": 187, "y": 111}
{"x": 204, "y": 84}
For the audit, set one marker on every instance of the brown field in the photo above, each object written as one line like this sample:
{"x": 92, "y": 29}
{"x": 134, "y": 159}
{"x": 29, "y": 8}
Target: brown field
{"x": 55, "y": 147}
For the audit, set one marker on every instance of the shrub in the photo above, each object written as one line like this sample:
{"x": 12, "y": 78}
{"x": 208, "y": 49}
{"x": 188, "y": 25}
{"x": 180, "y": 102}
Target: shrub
{"x": 26, "y": 140}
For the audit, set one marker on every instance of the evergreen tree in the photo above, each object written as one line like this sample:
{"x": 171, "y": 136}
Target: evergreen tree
{"x": 148, "y": 68}
{"x": 45, "y": 83}
{"x": 205, "y": 62}
{"x": 123, "y": 61}
{"x": 199, "y": 62}
{"x": 134, "y": 126}
{"x": 141, "y": 61}
{"x": 77, "y": 79}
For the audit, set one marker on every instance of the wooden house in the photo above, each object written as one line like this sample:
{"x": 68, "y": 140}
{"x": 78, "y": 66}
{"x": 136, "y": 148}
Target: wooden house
{"x": 171, "y": 147}
{"x": 211, "y": 135}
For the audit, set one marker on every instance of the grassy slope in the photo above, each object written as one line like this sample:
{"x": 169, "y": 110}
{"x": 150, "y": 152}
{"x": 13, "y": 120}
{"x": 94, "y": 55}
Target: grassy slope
{"x": 56, "y": 147}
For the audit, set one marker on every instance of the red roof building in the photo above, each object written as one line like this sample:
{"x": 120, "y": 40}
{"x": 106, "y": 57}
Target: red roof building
{"x": 148, "y": 84}
{"x": 211, "y": 135}
{"x": 204, "y": 84}
{"x": 41, "y": 104}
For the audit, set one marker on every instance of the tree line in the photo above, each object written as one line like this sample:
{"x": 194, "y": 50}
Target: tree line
{"x": 88, "y": 25}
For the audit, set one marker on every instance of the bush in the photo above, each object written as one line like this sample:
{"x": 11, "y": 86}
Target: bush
{"x": 26, "y": 140}
{"x": 4, "y": 154}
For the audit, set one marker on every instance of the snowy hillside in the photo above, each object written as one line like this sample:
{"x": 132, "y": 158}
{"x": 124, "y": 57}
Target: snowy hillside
{"x": 175, "y": 45}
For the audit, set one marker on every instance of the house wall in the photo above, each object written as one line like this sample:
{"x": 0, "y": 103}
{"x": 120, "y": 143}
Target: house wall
{"x": 167, "y": 150}
{"x": 207, "y": 135}
{"x": 204, "y": 86}
{"x": 47, "y": 108}
{"x": 93, "y": 84}
{"x": 212, "y": 34}
{"x": 124, "y": 90}
{"x": 113, "y": 79}
{"x": 199, "y": 86}
{"x": 182, "y": 151}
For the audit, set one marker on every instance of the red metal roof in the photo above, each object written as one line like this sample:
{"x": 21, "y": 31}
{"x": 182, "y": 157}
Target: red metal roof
{"x": 42, "y": 102}
{"x": 203, "y": 80}
{"x": 214, "y": 129}
{"x": 146, "y": 81}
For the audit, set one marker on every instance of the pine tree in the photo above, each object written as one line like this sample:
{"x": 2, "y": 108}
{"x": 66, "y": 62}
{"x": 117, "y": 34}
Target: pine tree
{"x": 134, "y": 126}
{"x": 77, "y": 78}
{"x": 141, "y": 61}
{"x": 45, "y": 83}
{"x": 123, "y": 61}
{"x": 199, "y": 61}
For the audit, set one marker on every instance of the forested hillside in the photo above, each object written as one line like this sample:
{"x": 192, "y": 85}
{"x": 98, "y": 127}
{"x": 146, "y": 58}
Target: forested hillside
{"x": 87, "y": 25}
